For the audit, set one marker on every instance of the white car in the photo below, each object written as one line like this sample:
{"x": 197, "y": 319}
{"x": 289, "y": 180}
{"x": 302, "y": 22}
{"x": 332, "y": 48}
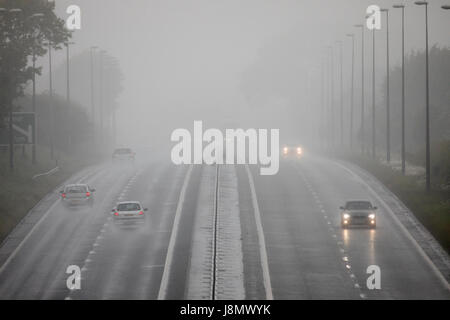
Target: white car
{"x": 129, "y": 212}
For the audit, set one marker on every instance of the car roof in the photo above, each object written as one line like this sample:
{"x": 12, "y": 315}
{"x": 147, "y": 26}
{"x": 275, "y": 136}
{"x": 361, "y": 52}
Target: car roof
{"x": 352, "y": 201}
{"x": 125, "y": 202}
{"x": 77, "y": 185}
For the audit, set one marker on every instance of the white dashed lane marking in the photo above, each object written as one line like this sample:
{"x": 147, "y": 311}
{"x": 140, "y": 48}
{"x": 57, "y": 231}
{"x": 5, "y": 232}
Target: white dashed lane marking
{"x": 339, "y": 243}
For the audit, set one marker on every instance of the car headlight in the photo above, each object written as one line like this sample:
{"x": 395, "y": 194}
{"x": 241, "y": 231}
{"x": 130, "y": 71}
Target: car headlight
{"x": 285, "y": 149}
{"x": 299, "y": 150}
{"x": 346, "y": 216}
{"x": 371, "y": 216}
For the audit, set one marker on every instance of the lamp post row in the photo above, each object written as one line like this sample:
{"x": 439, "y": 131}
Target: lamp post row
{"x": 388, "y": 125}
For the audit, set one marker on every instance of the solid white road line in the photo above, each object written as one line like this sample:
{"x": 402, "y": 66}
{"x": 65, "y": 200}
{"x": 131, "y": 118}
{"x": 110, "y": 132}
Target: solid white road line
{"x": 261, "y": 240}
{"x": 173, "y": 238}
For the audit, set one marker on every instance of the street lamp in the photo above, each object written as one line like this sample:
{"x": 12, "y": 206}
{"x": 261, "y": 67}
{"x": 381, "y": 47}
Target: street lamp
{"x": 69, "y": 123}
{"x": 388, "y": 115}
{"x": 33, "y": 99}
{"x": 101, "y": 57}
{"x": 427, "y": 106}
{"x": 67, "y": 44}
{"x": 401, "y": 6}
{"x": 373, "y": 89}
{"x": 10, "y": 125}
{"x": 362, "y": 85}
{"x": 91, "y": 50}
{"x": 352, "y": 36}
{"x": 331, "y": 95}
{"x": 52, "y": 116}
{"x": 341, "y": 96}
{"x": 323, "y": 103}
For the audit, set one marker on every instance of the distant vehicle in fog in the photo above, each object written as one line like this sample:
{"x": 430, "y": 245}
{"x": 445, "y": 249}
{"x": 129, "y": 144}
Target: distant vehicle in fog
{"x": 123, "y": 154}
{"x": 77, "y": 194}
{"x": 129, "y": 212}
{"x": 292, "y": 151}
{"x": 358, "y": 213}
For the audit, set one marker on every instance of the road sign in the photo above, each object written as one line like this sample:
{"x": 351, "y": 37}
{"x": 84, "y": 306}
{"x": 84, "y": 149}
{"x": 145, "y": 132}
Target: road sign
{"x": 23, "y": 128}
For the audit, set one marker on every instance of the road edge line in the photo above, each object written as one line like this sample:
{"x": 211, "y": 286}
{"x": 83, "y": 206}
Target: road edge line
{"x": 173, "y": 237}
{"x": 261, "y": 240}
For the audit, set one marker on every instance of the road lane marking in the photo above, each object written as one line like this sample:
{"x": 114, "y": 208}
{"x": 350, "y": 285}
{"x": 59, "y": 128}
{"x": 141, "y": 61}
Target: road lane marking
{"x": 173, "y": 238}
{"x": 262, "y": 242}
{"x": 332, "y": 232}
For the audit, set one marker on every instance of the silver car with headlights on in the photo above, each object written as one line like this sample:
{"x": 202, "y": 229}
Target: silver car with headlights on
{"x": 358, "y": 213}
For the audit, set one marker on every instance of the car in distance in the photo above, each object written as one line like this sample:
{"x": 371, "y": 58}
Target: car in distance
{"x": 292, "y": 150}
{"x": 77, "y": 194}
{"x": 129, "y": 212}
{"x": 360, "y": 213}
{"x": 123, "y": 154}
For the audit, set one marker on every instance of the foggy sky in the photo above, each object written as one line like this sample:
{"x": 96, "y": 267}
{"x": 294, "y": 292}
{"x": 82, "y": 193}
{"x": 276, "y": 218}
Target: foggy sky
{"x": 184, "y": 60}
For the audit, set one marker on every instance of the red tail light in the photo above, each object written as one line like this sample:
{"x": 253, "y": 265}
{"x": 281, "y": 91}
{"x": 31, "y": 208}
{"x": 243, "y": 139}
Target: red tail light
{"x": 141, "y": 213}
{"x": 116, "y": 213}
{"x": 88, "y": 194}
{"x": 63, "y": 195}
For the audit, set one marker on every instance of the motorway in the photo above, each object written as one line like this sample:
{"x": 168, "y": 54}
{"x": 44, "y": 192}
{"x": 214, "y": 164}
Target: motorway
{"x": 216, "y": 233}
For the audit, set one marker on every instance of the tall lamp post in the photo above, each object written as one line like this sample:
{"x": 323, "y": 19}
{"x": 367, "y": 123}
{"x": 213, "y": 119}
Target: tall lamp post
{"x": 362, "y": 85}
{"x": 373, "y": 92}
{"x": 51, "y": 111}
{"x": 427, "y": 105}
{"x": 352, "y": 36}
{"x": 33, "y": 99}
{"x": 100, "y": 90}
{"x": 331, "y": 105}
{"x": 91, "y": 51}
{"x": 401, "y": 6}
{"x": 323, "y": 104}
{"x": 341, "y": 94}
{"x": 388, "y": 105}
{"x": 10, "y": 125}
{"x": 69, "y": 123}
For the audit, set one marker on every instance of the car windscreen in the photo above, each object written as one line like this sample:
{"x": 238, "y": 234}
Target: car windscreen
{"x": 76, "y": 189}
{"x": 128, "y": 207}
{"x": 359, "y": 205}
{"x": 122, "y": 151}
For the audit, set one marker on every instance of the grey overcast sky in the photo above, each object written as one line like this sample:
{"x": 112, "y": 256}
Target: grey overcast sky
{"x": 189, "y": 55}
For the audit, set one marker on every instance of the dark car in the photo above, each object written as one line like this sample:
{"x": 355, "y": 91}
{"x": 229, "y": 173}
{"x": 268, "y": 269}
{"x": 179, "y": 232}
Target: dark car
{"x": 292, "y": 151}
{"x": 77, "y": 194}
{"x": 360, "y": 213}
